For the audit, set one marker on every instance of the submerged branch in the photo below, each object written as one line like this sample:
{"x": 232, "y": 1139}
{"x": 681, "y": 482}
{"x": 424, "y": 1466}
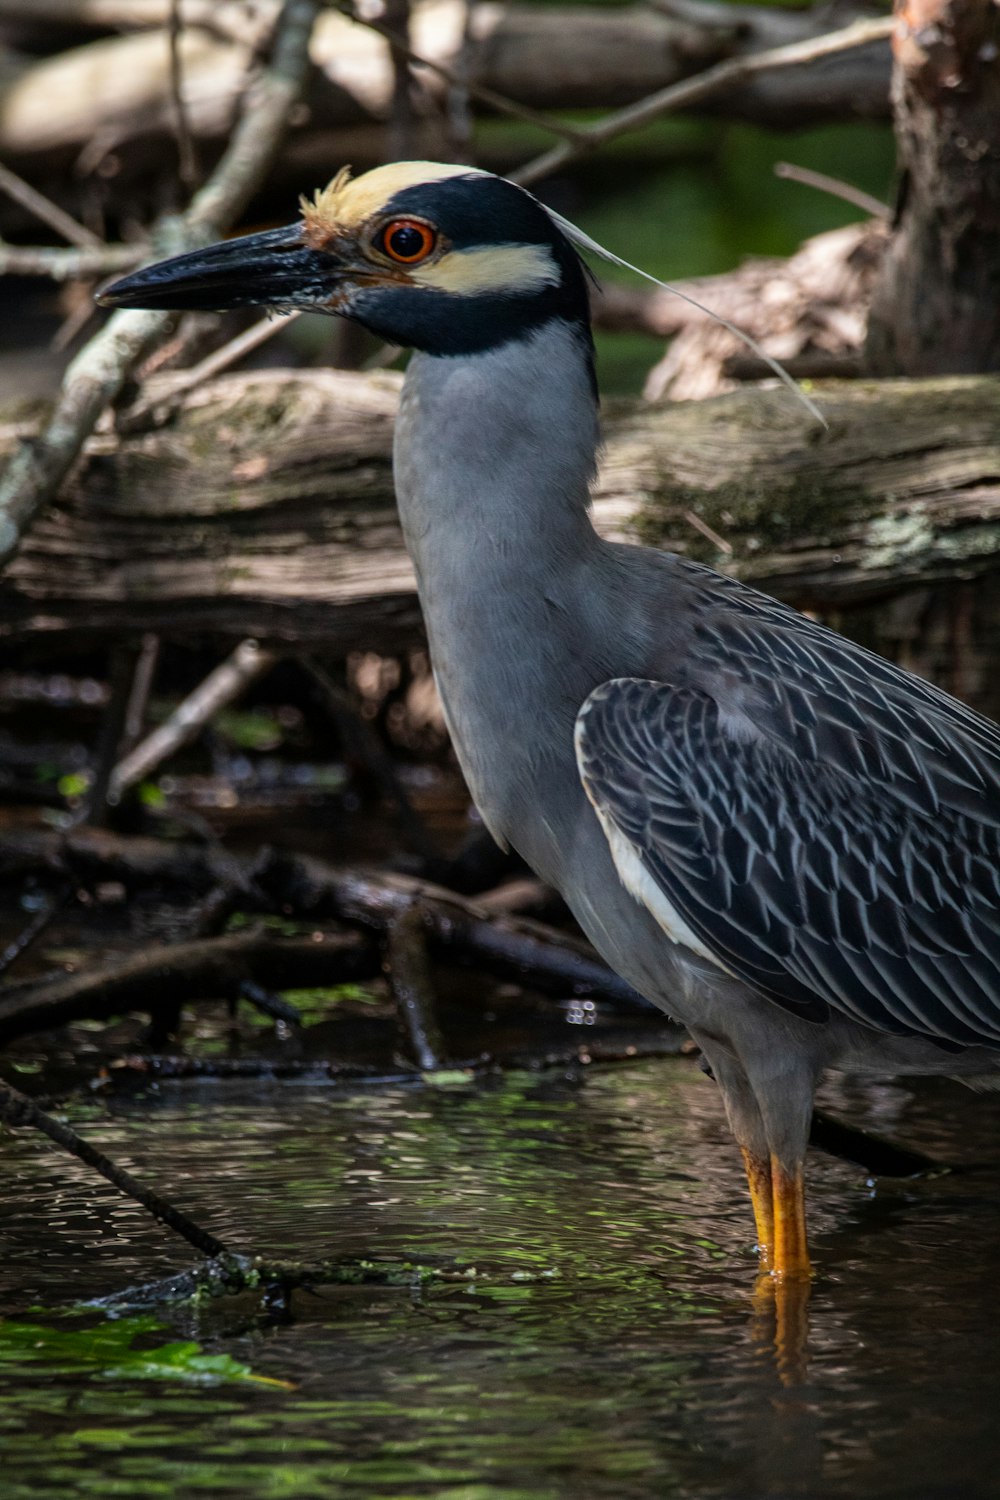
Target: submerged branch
{"x": 17, "y": 1111}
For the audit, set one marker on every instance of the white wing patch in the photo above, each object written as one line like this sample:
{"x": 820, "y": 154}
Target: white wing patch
{"x": 639, "y": 883}
{"x": 636, "y": 878}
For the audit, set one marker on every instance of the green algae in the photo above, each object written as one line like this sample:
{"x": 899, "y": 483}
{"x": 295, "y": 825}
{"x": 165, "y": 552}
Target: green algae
{"x": 115, "y": 1349}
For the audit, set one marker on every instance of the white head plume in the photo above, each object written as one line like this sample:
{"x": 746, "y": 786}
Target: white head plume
{"x": 584, "y": 242}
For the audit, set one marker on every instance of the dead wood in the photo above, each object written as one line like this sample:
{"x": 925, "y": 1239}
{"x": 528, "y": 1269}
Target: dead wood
{"x": 106, "y": 94}
{"x": 166, "y": 976}
{"x": 936, "y": 307}
{"x": 811, "y": 307}
{"x": 264, "y": 507}
{"x": 456, "y": 930}
{"x": 16, "y": 1110}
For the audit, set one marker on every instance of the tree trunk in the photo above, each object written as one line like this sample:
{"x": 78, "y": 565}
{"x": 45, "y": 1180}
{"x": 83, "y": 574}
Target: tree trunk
{"x": 936, "y": 306}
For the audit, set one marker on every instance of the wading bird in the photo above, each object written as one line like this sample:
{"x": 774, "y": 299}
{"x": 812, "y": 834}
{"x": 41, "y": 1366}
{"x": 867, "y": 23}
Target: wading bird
{"x": 787, "y": 843}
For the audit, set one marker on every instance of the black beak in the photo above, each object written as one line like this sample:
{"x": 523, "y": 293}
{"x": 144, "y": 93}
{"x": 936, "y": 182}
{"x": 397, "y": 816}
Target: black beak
{"x": 273, "y": 269}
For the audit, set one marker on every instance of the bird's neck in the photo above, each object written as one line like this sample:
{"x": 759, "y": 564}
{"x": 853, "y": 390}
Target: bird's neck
{"x": 494, "y": 457}
{"x": 495, "y": 452}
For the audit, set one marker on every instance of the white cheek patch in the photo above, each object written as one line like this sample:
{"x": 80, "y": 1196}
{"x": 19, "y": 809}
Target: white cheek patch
{"x": 516, "y": 269}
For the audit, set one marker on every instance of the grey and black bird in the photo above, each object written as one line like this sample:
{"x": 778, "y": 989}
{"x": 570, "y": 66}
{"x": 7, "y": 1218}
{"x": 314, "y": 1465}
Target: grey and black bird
{"x": 789, "y": 844}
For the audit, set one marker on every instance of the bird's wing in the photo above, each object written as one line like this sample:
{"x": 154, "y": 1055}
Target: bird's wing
{"x": 819, "y": 887}
{"x": 823, "y": 698}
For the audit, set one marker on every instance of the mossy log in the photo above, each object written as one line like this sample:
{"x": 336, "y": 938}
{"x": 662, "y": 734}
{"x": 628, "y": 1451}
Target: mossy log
{"x": 261, "y": 504}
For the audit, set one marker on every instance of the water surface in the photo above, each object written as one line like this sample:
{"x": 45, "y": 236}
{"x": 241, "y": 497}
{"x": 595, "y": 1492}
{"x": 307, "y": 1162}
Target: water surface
{"x": 604, "y": 1343}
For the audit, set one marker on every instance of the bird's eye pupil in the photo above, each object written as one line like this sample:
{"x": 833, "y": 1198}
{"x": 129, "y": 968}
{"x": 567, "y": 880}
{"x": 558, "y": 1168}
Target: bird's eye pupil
{"x": 407, "y": 241}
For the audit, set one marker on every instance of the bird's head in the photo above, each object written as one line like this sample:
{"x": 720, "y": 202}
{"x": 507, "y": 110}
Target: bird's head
{"x": 445, "y": 259}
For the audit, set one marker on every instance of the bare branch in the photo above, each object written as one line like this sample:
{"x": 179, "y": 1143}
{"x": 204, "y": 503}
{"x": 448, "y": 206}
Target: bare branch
{"x": 221, "y": 687}
{"x": 401, "y": 48}
{"x": 227, "y": 354}
{"x": 187, "y": 155}
{"x": 694, "y": 90}
{"x": 97, "y": 374}
{"x": 832, "y": 185}
{"x": 43, "y": 208}
{"x": 16, "y": 1109}
{"x": 69, "y": 265}
{"x": 161, "y": 977}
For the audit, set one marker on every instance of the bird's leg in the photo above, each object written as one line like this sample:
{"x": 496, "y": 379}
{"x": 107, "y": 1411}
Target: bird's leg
{"x": 758, "y": 1170}
{"x": 747, "y": 1126}
{"x": 784, "y": 1089}
{"x": 791, "y": 1251}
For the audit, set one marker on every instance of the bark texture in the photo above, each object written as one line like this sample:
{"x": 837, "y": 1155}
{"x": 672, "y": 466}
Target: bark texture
{"x": 261, "y": 504}
{"x": 936, "y": 306}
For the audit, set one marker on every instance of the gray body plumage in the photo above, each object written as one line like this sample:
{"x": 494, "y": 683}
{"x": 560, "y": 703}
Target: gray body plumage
{"x": 787, "y": 843}
{"x": 529, "y": 613}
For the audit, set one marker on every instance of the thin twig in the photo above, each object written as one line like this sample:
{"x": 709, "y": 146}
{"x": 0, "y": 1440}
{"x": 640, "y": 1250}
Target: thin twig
{"x": 833, "y": 186}
{"x": 213, "y": 364}
{"x": 220, "y": 688}
{"x": 142, "y": 684}
{"x": 69, "y": 265}
{"x": 124, "y": 662}
{"x": 98, "y": 373}
{"x": 188, "y": 169}
{"x": 17, "y": 1110}
{"x": 499, "y": 102}
{"x": 708, "y": 532}
{"x": 693, "y": 90}
{"x": 399, "y": 131}
{"x": 458, "y": 112}
{"x": 270, "y": 1004}
{"x": 43, "y": 208}
{"x": 54, "y": 903}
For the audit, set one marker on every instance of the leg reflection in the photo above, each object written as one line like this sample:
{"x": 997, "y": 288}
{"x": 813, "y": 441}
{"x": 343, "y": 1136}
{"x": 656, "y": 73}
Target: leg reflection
{"x": 780, "y": 1323}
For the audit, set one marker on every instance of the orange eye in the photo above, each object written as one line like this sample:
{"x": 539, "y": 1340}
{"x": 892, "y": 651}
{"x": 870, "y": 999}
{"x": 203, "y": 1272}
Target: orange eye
{"x": 407, "y": 241}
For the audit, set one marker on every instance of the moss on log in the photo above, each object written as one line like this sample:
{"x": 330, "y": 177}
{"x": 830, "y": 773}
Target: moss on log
{"x": 261, "y": 504}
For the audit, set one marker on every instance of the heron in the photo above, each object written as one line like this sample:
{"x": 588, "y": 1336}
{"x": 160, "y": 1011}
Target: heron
{"x": 786, "y": 842}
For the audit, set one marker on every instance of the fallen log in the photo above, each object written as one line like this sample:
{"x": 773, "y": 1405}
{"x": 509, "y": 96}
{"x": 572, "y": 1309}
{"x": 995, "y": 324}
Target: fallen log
{"x": 261, "y": 505}
{"x": 115, "y": 92}
{"x": 455, "y": 929}
{"x": 169, "y": 974}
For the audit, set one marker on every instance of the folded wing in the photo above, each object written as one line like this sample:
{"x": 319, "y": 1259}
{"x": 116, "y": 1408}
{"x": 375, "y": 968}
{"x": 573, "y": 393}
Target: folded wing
{"x": 845, "y": 858}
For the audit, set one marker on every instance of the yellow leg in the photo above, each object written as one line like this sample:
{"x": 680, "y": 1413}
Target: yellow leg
{"x": 758, "y": 1170}
{"x": 790, "y": 1257}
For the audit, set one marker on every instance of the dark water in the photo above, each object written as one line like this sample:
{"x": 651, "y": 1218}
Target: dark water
{"x": 610, "y": 1345}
